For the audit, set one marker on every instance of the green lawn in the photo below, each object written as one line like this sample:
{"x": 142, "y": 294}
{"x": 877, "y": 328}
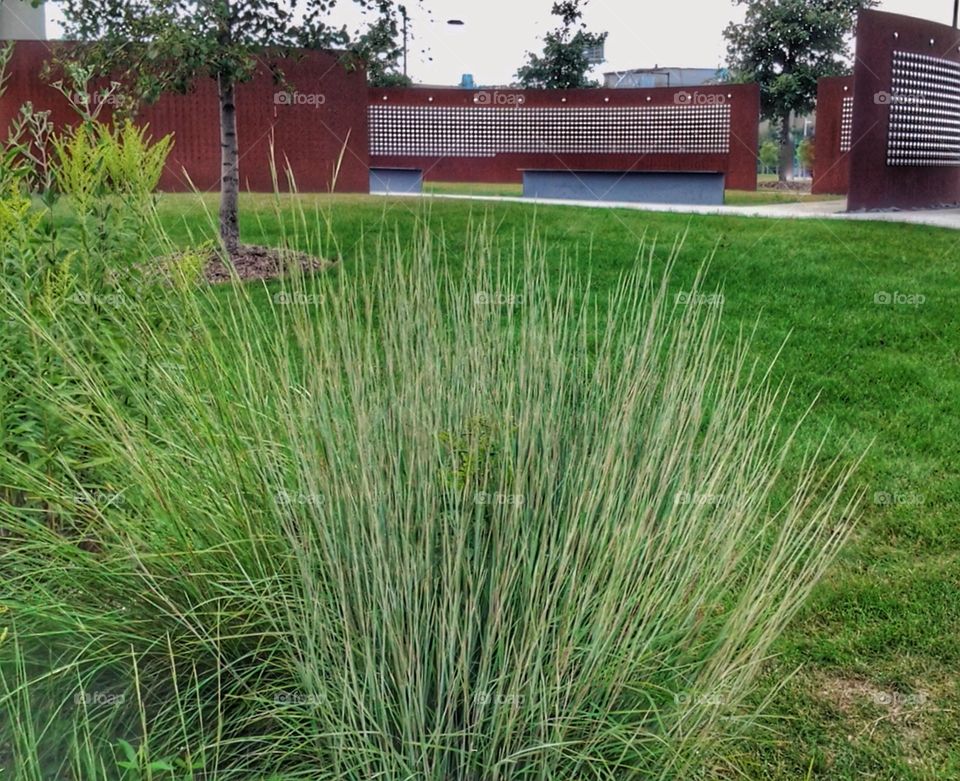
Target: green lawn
{"x": 877, "y": 696}
{"x": 732, "y": 197}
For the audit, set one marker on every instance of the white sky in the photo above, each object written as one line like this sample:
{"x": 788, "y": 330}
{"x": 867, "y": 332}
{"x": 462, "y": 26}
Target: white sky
{"x": 496, "y": 34}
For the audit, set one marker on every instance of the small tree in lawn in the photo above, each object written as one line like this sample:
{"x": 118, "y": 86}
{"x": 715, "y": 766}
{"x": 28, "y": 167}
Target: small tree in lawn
{"x": 564, "y": 63}
{"x": 786, "y": 46}
{"x": 156, "y": 46}
{"x": 769, "y": 155}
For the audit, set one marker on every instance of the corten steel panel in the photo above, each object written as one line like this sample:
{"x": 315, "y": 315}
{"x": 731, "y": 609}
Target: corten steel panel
{"x": 739, "y": 164}
{"x": 831, "y": 164}
{"x": 873, "y": 183}
{"x": 320, "y": 120}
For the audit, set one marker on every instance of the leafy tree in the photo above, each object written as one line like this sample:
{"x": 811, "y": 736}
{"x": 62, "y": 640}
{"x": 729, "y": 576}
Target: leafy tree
{"x": 769, "y": 155}
{"x": 564, "y": 63}
{"x": 786, "y": 46}
{"x": 156, "y": 46}
{"x": 382, "y": 52}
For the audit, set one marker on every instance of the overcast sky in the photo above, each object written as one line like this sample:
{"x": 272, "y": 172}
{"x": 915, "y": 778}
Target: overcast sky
{"x": 496, "y": 33}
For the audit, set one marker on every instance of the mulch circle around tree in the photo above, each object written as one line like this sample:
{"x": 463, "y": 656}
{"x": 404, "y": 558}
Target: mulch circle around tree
{"x": 253, "y": 262}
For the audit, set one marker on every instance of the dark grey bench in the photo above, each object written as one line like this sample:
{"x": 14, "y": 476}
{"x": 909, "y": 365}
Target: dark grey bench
{"x": 699, "y": 188}
{"x": 396, "y": 180}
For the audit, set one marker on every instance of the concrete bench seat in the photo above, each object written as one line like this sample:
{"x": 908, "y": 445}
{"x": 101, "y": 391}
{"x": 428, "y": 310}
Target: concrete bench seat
{"x": 700, "y": 188}
{"x": 396, "y": 180}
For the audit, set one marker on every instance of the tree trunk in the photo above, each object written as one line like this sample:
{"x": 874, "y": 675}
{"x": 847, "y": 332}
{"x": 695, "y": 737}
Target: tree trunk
{"x": 786, "y": 149}
{"x": 229, "y": 166}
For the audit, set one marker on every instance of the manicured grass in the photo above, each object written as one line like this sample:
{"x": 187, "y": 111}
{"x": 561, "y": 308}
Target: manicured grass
{"x": 732, "y": 198}
{"x": 877, "y": 695}
{"x": 762, "y": 197}
{"x": 475, "y": 188}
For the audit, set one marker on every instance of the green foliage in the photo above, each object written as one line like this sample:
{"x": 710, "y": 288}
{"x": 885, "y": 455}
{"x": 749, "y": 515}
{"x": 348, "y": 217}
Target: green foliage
{"x": 806, "y": 150}
{"x": 381, "y": 51}
{"x": 769, "y": 155}
{"x": 473, "y": 455}
{"x": 61, "y": 276}
{"x": 132, "y": 161}
{"x": 301, "y": 579}
{"x": 158, "y": 46}
{"x": 563, "y": 63}
{"x": 788, "y": 45}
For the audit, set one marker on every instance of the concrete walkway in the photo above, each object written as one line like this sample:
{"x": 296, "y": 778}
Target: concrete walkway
{"x": 808, "y": 210}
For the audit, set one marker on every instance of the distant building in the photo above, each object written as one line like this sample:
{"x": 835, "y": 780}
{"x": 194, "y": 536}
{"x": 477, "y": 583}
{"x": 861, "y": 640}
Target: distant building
{"x": 20, "y": 21}
{"x": 663, "y": 77}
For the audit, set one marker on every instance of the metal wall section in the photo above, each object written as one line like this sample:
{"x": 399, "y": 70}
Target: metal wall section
{"x": 316, "y": 124}
{"x": 458, "y": 135}
{"x": 906, "y": 125}
{"x": 831, "y": 165}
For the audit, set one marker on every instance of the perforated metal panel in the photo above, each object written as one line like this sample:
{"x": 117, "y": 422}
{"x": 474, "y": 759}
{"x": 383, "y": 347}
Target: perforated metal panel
{"x": 846, "y": 125}
{"x": 924, "y": 111}
{"x": 471, "y": 131}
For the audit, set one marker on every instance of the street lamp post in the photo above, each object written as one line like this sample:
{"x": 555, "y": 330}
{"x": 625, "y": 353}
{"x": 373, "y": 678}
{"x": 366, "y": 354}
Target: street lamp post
{"x": 403, "y": 13}
{"x": 956, "y": 12}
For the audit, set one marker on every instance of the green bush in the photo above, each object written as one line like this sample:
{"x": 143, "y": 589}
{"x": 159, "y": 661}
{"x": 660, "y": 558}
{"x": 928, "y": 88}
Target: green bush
{"x": 407, "y": 524}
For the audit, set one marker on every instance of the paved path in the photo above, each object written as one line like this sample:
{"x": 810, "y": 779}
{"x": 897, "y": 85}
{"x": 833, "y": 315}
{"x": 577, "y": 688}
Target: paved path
{"x": 808, "y": 210}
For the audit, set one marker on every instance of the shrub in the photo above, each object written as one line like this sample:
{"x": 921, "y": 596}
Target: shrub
{"x": 412, "y": 524}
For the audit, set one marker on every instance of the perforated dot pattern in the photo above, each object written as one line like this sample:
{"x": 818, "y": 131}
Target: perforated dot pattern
{"x": 474, "y": 131}
{"x": 924, "y": 111}
{"x": 846, "y": 125}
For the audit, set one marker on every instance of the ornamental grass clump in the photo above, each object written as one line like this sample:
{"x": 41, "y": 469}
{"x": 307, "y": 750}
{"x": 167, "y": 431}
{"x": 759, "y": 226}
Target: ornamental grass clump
{"x": 410, "y": 522}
